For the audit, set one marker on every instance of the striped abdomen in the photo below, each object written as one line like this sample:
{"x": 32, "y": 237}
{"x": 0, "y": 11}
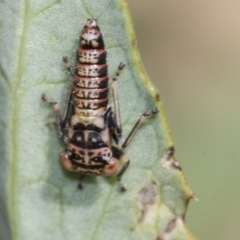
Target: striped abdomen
{"x": 91, "y": 81}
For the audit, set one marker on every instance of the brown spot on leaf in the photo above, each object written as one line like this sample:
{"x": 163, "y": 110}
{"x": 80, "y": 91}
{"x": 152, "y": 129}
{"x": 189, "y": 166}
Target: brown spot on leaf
{"x": 170, "y": 227}
{"x": 157, "y": 97}
{"x": 169, "y": 161}
{"x": 134, "y": 42}
{"x": 146, "y": 197}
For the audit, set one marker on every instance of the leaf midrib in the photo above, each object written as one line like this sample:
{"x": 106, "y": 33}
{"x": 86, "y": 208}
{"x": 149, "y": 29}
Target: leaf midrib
{"x": 15, "y": 109}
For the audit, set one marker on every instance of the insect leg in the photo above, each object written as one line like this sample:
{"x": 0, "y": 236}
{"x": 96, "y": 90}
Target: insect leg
{"x": 140, "y": 120}
{"x": 69, "y": 67}
{"x": 117, "y": 153}
{"x": 116, "y": 134}
{"x": 81, "y": 178}
{"x": 61, "y": 121}
{"x": 126, "y": 162}
{"x": 115, "y": 97}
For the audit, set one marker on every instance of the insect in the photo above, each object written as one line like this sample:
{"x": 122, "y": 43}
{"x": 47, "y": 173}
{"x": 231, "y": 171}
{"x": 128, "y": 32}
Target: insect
{"x": 88, "y": 124}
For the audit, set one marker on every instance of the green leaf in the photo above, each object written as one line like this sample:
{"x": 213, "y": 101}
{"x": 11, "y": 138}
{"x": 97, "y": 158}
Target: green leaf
{"x": 38, "y": 198}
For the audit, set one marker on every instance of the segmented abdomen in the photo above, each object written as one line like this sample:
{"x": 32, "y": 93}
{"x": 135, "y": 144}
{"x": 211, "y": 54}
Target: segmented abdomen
{"x": 91, "y": 81}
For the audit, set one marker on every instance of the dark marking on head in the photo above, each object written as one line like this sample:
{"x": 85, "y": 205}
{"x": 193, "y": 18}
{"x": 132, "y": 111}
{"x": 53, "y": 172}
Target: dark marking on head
{"x": 87, "y": 166}
{"x": 90, "y": 154}
{"x": 73, "y": 155}
{"x": 99, "y": 160}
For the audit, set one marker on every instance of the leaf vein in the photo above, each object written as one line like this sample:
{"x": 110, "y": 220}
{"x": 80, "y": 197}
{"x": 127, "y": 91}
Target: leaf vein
{"x": 101, "y": 217}
{"x": 46, "y": 8}
{"x": 5, "y": 77}
{"x": 15, "y": 112}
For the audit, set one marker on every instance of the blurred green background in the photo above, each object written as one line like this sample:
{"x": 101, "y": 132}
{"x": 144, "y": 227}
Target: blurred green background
{"x": 191, "y": 50}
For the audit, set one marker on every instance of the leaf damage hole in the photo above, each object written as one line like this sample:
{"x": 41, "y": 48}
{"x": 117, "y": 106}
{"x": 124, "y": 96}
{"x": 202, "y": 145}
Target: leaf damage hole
{"x": 147, "y": 196}
{"x": 169, "y": 161}
{"x": 170, "y": 227}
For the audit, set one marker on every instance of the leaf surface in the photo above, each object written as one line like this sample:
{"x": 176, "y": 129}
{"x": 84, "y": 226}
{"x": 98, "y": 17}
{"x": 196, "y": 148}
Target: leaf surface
{"x": 37, "y": 196}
